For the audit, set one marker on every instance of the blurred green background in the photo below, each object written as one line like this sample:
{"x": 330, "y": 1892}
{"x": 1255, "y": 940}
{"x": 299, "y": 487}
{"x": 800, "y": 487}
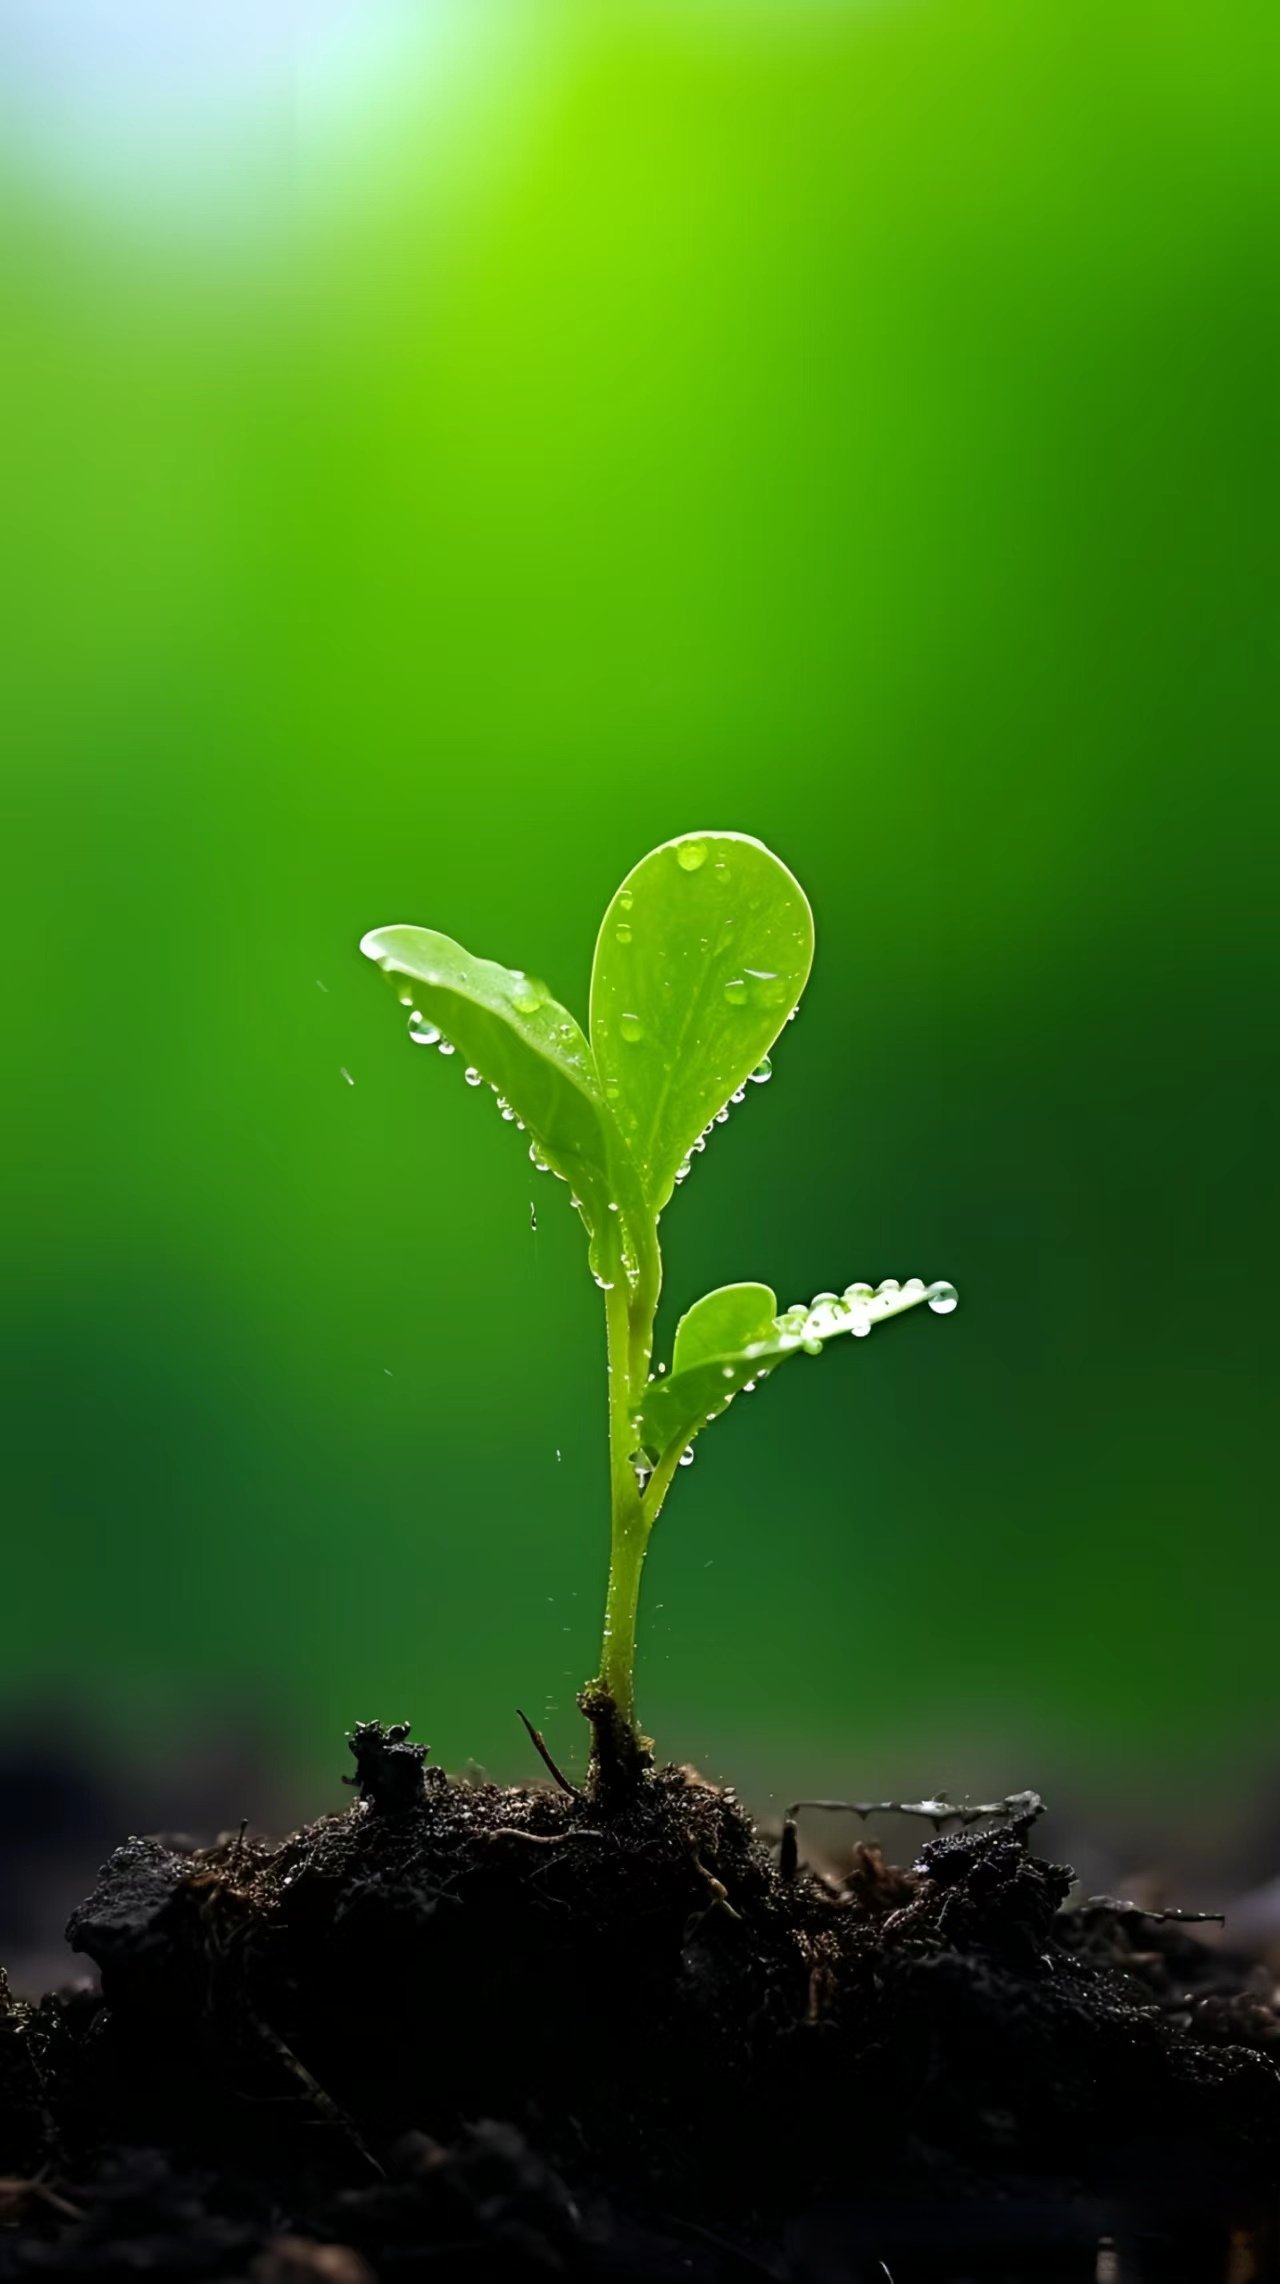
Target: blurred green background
{"x": 447, "y": 453}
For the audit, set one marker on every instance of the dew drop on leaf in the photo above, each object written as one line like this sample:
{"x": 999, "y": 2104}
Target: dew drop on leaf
{"x": 691, "y": 856}
{"x": 762, "y": 1071}
{"x": 626, "y": 898}
{"x": 767, "y": 988}
{"x": 623, "y": 932}
{"x": 528, "y": 996}
{"x": 631, "y": 1028}
{"x": 422, "y": 1033}
{"x": 445, "y": 1047}
{"x": 472, "y": 1076}
{"x": 736, "y": 992}
{"x": 686, "y": 1456}
{"x": 943, "y": 1299}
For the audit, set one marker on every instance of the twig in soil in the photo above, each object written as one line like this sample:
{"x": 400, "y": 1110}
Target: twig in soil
{"x": 539, "y": 1743}
{"x": 1126, "y": 1910}
{"x": 1017, "y": 1808}
{"x": 15, "y": 2194}
{"x": 329, "y": 2109}
{"x": 719, "y": 1895}
{"x": 540, "y": 1839}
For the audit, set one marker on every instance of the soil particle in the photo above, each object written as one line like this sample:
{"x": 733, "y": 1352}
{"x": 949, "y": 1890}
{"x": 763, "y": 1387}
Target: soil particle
{"x": 477, "y": 2030}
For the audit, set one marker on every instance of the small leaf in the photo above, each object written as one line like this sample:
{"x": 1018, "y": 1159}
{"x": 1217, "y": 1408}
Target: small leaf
{"x": 518, "y": 1037}
{"x": 702, "y": 956}
{"x": 733, "y": 1317}
{"x": 734, "y": 1336}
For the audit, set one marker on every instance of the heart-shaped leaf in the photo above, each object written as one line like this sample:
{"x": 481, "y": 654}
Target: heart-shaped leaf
{"x": 734, "y": 1337}
{"x": 702, "y": 956}
{"x": 510, "y": 1029}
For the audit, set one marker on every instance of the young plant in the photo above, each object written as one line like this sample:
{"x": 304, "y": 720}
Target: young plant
{"x": 699, "y": 965}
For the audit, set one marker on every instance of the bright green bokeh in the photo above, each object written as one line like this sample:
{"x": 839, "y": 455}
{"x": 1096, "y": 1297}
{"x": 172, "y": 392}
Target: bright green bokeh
{"x": 850, "y": 424}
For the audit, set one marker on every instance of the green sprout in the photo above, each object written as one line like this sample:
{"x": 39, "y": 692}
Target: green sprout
{"x": 699, "y": 965}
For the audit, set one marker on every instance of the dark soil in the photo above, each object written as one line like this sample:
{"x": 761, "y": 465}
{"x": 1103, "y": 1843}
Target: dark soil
{"x": 468, "y": 2031}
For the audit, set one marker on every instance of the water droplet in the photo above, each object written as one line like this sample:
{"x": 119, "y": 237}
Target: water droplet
{"x": 605, "y": 1283}
{"x": 740, "y": 1096}
{"x": 686, "y": 1456}
{"x": 404, "y": 995}
{"x": 726, "y": 1371}
{"x": 626, "y": 898}
{"x": 622, "y": 932}
{"x": 472, "y": 1076}
{"x": 762, "y": 1071}
{"x": 913, "y": 1289}
{"x": 346, "y": 1074}
{"x": 661, "y": 1369}
{"x": 942, "y": 1299}
{"x": 736, "y": 992}
{"x": 445, "y": 1047}
{"x": 612, "y": 1090}
{"x": 812, "y": 1347}
{"x": 691, "y": 856}
{"x": 721, "y": 868}
{"x": 860, "y": 1327}
{"x": 422, "y": 1033}
{"x": 528, "y": 995}
{"x": 858, "y": 1295}
{"x": 767, "y": 988}
{"x": 631, "y": 1028}
{"x": 722, "y": 1117}
{"x": 825, "y": 1300}
{"x": 886, "y": 1287}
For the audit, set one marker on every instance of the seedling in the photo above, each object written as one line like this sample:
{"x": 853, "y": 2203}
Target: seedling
{"x": 699, "y": 965}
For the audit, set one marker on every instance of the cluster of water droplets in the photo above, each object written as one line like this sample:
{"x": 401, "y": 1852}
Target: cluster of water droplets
{"x": 427, "y": 1034}
{"x": 859, "y": 1308}
{"x": 760, "y": 1076}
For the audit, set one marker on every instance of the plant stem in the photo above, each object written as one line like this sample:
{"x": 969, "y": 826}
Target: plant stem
{"x": 630, "y": 1525}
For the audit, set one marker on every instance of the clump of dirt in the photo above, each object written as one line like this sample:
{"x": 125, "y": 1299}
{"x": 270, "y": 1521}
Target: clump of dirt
{"x": 479, "y": 2030}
